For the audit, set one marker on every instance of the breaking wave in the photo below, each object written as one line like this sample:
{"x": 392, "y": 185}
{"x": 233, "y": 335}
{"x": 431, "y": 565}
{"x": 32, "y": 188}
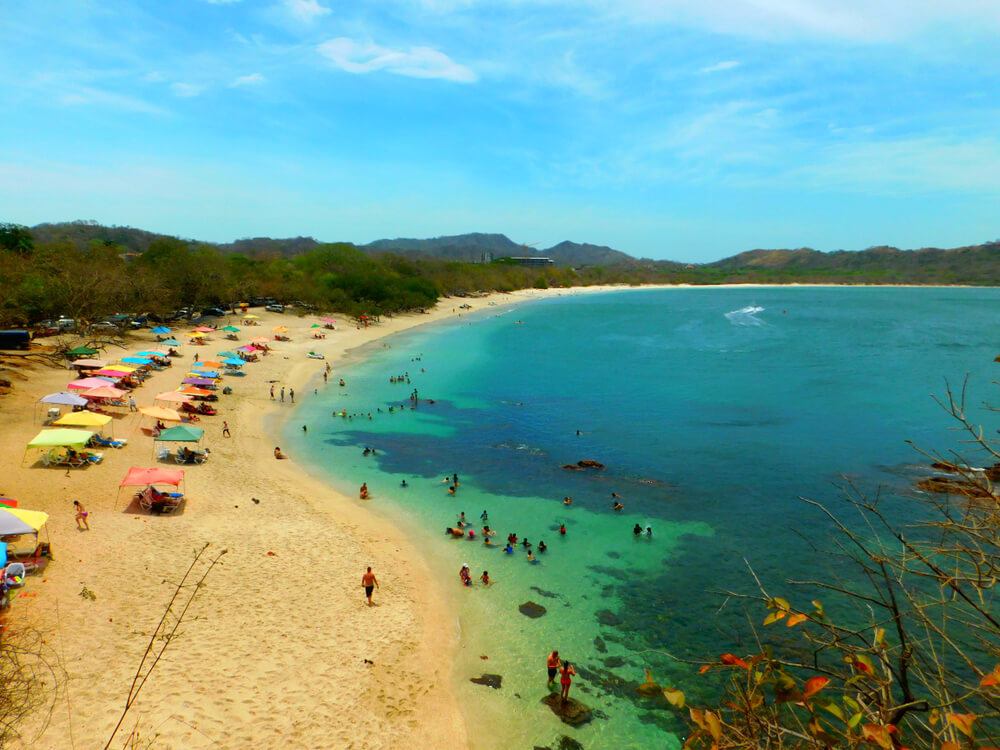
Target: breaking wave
{"x": 745, "y": 316}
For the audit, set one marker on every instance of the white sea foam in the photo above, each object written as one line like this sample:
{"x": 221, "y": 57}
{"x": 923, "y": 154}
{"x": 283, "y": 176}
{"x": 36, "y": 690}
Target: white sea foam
{"x": 745, "y": 316}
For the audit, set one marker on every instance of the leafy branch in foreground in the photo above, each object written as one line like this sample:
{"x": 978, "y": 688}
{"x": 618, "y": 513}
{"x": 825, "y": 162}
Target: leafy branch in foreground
{"x": 166, "y": 629}
{"x": 912, "y": 658}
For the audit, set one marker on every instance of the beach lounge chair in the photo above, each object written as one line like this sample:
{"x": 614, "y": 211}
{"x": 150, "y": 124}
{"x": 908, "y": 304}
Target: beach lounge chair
{"x": 103, "y": 442}
{"x": 152, "y": 501}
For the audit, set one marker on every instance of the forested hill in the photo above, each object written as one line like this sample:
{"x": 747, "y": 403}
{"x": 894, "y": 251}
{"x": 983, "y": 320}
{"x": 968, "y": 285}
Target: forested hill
{"x": 976, "y": 264}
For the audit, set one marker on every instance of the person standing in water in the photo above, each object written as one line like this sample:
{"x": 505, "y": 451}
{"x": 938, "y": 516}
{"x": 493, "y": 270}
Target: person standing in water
{"x": 566, "y": 679}
{"x": 370, "y": 582}
{"x": 552, "y": 663}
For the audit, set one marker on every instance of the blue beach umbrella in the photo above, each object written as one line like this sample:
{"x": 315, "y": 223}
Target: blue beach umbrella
{"x": 159, "y": 330}
{"x": 226, "y": 354}
{"x": 171, "y": 342}
{"x": 233, "y": 362}
{"x": 137, "y": 360}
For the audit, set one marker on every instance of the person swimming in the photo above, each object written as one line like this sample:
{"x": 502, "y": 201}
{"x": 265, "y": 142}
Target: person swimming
{"x": 637, "y": 530}
{"x": 451, "y": 490}
{"x": 472, "y": 535}
{"x": 562, "y": 529}
{"x": 525, "y": 543}
{"x": 649, "y": 532}
{"x": 509, "y": 549}
{"x": 465, "y": 575}
{"x": 542, "y": 546}
{"x": 567, "y": 500}
{"x": 485, "y": 578}
{"x": 617, "y": 506}
{"x": 531, "y": 556}
{"x": 484, "y": 516}
{"x": 403, "y": 484}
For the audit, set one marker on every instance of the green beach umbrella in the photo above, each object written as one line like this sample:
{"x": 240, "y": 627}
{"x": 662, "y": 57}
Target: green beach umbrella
{"x": 231, "y": 329}
{"x": 62, "y": 438}
{"x": 225, "y": 355}
{"x": 182, "y": 433}
{"x": 81, "y": 351}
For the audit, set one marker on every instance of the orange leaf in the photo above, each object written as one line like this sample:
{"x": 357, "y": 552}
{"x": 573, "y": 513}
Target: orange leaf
{"x": 878, "y": 735}
{"x": 951, "y": 746}
{"x": 962, "y": 722}
{"x": 774, "y": 617}
{"x": 714, "y": 725}
{"x": 733, "y": 661}
{"x": 704, "y": 668}
{"x": 991, "y": 679}
{"x": 794, "y": 620}
{"x": 814, "y": 685}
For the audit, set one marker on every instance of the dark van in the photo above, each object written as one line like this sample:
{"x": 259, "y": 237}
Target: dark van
{"x": 15, "y": 339}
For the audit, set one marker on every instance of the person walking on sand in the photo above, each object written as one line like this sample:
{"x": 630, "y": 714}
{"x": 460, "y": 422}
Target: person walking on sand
{"x": 272, "y": 391}
{"x": 81, "y": 516}
{"x": 225, "y": 429}
{"x": 370, "y": 582}
{"x": 552, "y": 663}
{"x": 291, "y": 394}
{"x": 566, "y": 679}
{"x": 131, "y": 403}
{"x": 282, "y": 394}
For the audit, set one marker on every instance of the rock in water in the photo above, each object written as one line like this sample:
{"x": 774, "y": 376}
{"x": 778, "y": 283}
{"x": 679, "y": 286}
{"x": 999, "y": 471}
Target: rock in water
{"x": 531, "y": 609}
{"x": 609, "y": 618}
{"x": 571, "y": 711}
{"x": 568, "y": 743}
{"x": 489, "y": 680}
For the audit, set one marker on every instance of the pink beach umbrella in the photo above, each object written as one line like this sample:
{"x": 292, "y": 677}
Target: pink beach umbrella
{"x": 85, "y": 384}
{"x": 175, "y": 396}
{"x": 105, "y": 391}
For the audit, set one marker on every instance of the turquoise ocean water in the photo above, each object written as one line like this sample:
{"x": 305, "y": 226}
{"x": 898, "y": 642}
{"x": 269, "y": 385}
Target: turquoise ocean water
{"x": 713, "y": 410}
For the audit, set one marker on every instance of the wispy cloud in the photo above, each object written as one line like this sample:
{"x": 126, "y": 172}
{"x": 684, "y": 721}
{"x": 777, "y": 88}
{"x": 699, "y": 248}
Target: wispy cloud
{"x": 87, "y": 96}
{"x": 306, "y": 11}
{"x": 720, "y": 66}
{"x": 416, "y": 62}
{"x": 186, "y": 90}
{"x": 253, "y": 79}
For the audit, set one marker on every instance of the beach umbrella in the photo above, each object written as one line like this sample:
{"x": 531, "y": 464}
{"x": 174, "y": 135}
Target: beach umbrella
{"x": 61, "y": 438}
{"x": 198, "y": 381}
{"x": 234, "y": 362}
{"x": 251, "y": 317}
{"x": 328, "y": 320}
{"x": 89, "y": 363}
{"x": 260, "y": 340}
{"x": 159, "y": 412}
{"x": 204, "y": 329}
{"x": 226, "y": 354}
{"x": 160, "y": 330}
{"x": 231, "y": 329}
{"x": 193, "y": 390}
{"x": 111, "y": 372}
{"x": 196, "y": 335}
{"x": 139, "y": 477}
{"x": 104, "y": 391}
{"x": 15, "y": 521}
{"x": 137, "y": 360}
{"x": 152, "y": 353}
{"x": 81, "y": 351}
{"x": 176, "y": 396}
{"x": 63, "y": 398}
{"x": 182, "y": 433}
{"x": 85, "y": 384}
{"x": 209, "y": 364}
{"x": 315, "y": 325}
{"x": 82, "y": 419}
{"x": 171, "y": 342}
{"x": 204, "y": 374}
{"x": 280, "y": 329}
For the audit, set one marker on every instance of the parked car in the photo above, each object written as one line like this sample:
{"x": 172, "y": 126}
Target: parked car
{"x": 15, "y": 339}
{"x": 65, "y": 324}
{"x": 105, "y": 325}
{"x": 275, "y": 307}
{"x": 213, "y": 312}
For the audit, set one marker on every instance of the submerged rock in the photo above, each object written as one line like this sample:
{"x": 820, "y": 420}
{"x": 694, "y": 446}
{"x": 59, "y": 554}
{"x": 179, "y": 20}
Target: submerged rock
{"x": 614, "y": 661}
{"x": 568, "y": 743}
{"x": 609, "y": 618}
{"x": 600, "y": 645}
{"x": 570, "y": 711}
{"x": 586, "y": 463}
{"x": 532, "y": 609}
{"x": 489, "y": 680}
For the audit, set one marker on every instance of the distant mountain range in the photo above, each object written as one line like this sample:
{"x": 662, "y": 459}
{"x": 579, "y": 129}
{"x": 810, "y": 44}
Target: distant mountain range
{"x": 978, "y": 264}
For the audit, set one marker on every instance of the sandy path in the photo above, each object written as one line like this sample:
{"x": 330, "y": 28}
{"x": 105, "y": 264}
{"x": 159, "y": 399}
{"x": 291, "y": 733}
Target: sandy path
{"x": 273, "y": 651}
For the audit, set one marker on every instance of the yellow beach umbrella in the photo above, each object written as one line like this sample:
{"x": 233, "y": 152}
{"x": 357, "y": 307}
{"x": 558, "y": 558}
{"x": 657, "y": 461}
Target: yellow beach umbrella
{"x": 33, "y": 519}
{"x": 196, "y": 335}
{"x": 251, "y": 317}
{"x": 280, "y": 329}
{"x": 159, "y": 412}
{"x": 82, "y": 419}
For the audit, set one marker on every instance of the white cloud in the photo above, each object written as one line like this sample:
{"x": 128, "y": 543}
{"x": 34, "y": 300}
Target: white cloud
{"x": 720, "y": 66}
{"x": 416, "y": 62}
{"x": 186, "y": 90}
{"x": 86, "y": 95}
{"x": 306, "y": 10}
{"x": 254, "y": 79}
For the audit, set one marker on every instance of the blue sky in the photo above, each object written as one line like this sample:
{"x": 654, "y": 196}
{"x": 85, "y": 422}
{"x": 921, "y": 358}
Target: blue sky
{"x": 675, "y": 129}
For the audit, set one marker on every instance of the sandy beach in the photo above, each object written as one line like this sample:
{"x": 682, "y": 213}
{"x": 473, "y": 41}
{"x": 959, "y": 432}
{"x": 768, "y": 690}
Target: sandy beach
{"x": 280, "y": 648}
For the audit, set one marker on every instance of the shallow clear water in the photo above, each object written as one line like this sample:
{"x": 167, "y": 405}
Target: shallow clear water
{"x": 714, "y": 410}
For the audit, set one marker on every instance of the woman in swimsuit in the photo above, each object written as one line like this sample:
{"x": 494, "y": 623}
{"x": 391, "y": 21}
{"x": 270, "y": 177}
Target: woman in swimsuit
{"x": 81, "y": 516}
{"x": 566, "y": 679}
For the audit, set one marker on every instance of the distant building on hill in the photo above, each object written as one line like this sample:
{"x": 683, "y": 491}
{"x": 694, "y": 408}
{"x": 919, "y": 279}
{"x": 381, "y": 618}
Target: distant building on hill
{"x": 531, "y": 261}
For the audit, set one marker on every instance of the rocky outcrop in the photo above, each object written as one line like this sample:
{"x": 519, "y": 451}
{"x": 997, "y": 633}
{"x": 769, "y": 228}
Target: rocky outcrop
{"x": 586, "y": 463}
{"x": 489, "y": 680}
{"x": 570, "y": 711}
{"x": 950, "y": 486}
{"x": 532, "y": 609}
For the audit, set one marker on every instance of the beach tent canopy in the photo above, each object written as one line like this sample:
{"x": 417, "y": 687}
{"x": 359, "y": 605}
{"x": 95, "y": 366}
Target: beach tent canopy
{"x": 204, "y": 329}
{"x": 111, "y": 372}
{"x": 225, "y": 354}
{"x": 194, "y": 391}
{"x": 198, "y": 381}
{"x": 82, "y": 419}
{"x": 61, "y": 438}
{"x": 85, "y": 384}
{"x": 231, "y": 329}
{"x": 233, "y": 362}
{"x": 160, "y": 330}
{"x": 81, "y": 351}
{"x": 104, "y": 391}
{"x": 203, "y": 374}
{"x": 328, "y": 320}
{"x": 158, "y": 412}
{"x": 182, "y": 433}
{"x": 209, "y": 364}
{"x": 171, "y": 342}
{"x": 64, "y": 398}
{"x": 152, "y": 353}
{"x": 19, "y": 521}
{"x": 173, "y": 396}
{"x": 87, "y": 362}
{"x": 139, "y": 477}
{"x": 315, "y": 325}
{"x": 138, "y": 360}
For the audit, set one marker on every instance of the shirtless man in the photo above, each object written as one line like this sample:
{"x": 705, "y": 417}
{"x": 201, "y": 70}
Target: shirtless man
{"x": 370, "y": 582}
{"x": 552, "y": 663}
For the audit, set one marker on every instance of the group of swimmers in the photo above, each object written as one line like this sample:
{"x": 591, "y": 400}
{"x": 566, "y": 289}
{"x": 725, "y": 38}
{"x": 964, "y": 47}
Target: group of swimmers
{"x": 404, "y": 378}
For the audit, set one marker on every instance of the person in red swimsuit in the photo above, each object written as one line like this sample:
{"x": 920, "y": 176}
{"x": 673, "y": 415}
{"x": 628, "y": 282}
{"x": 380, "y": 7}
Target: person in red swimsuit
{"x": 566, "y": 680}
